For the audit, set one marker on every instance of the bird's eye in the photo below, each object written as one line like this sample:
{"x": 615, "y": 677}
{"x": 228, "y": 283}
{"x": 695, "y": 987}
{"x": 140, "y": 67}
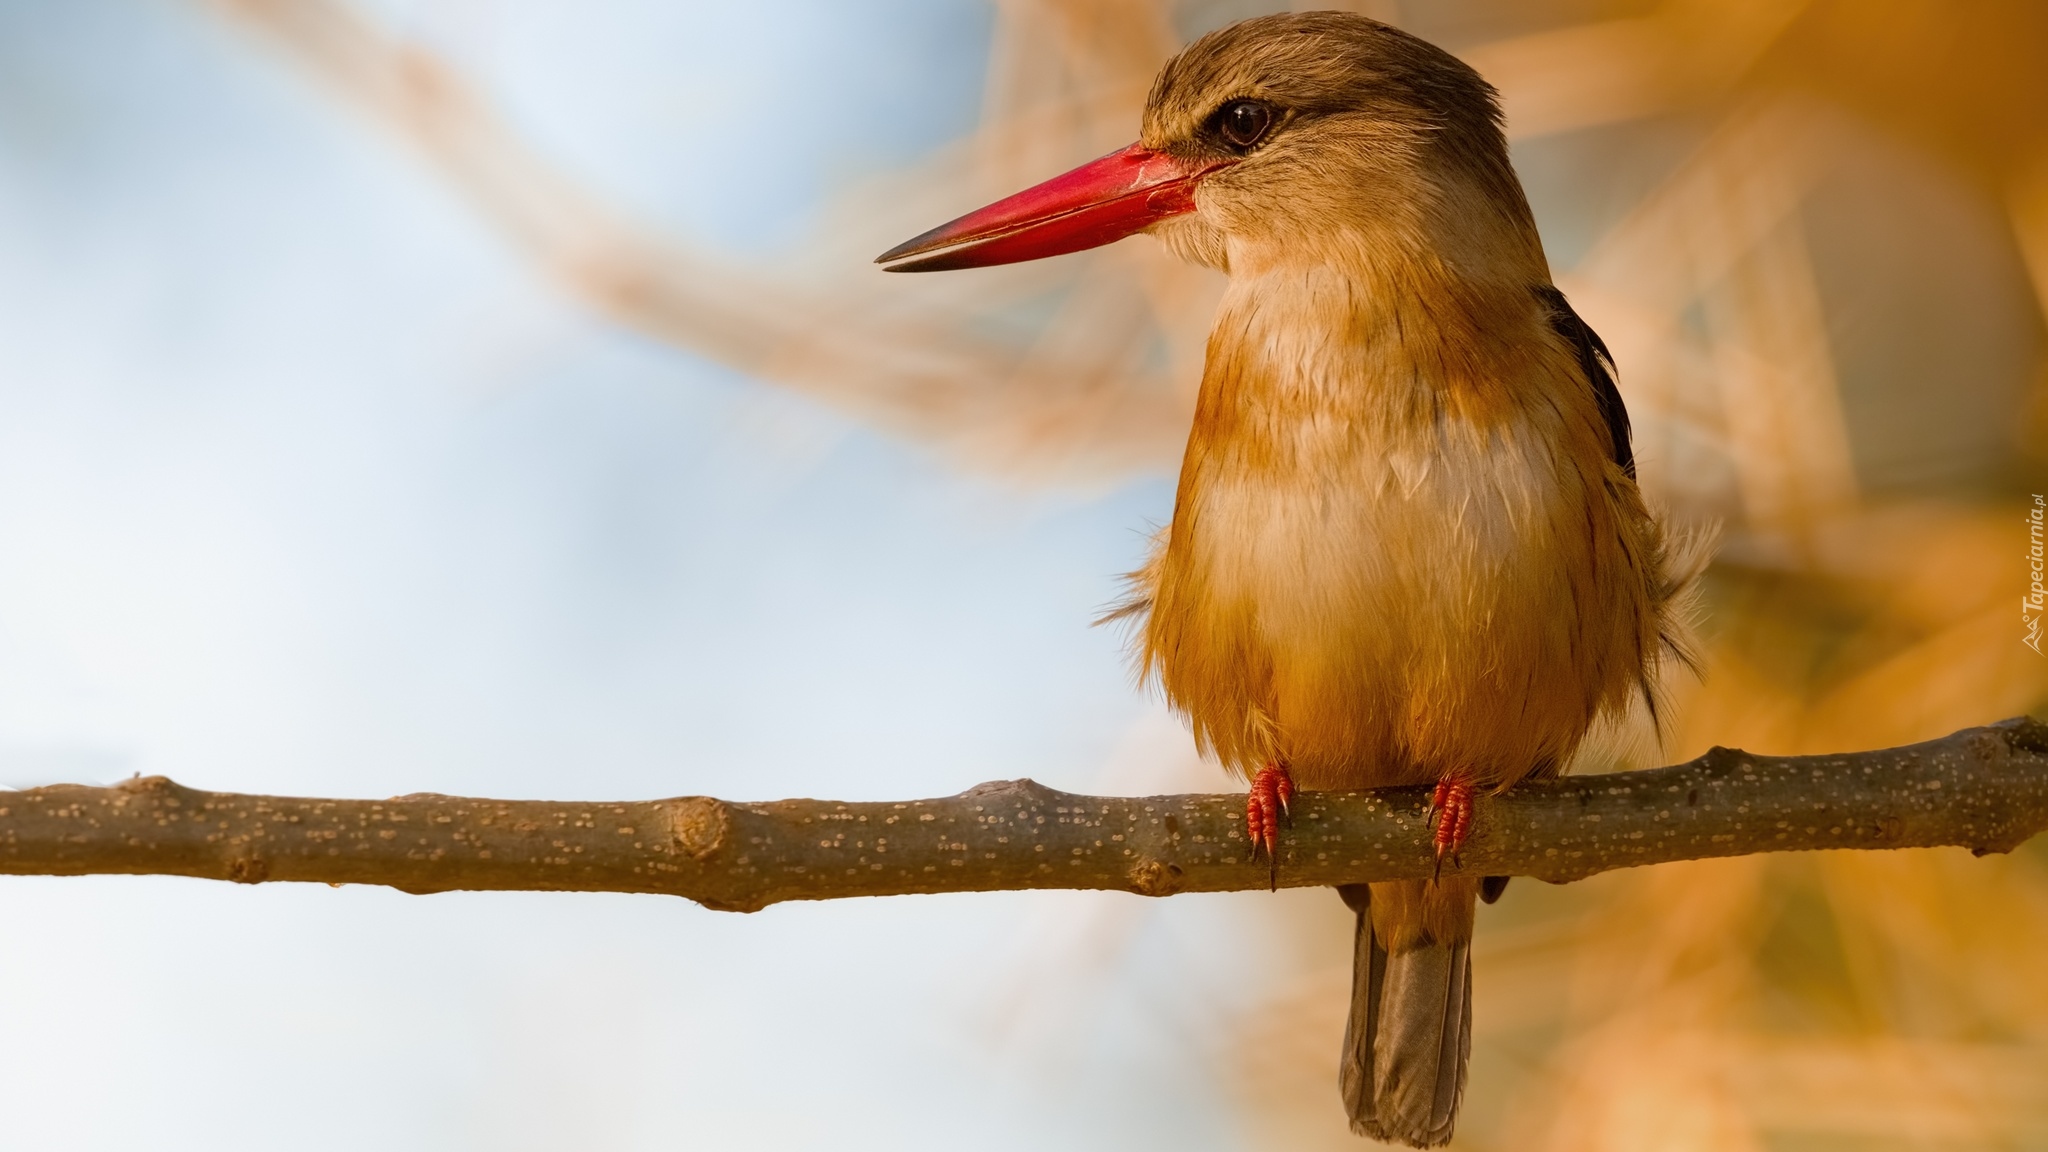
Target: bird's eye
{"x": 1243, "y": 123}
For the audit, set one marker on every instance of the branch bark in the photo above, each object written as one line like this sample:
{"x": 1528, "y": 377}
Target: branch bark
{"x": 1981, "y": 788}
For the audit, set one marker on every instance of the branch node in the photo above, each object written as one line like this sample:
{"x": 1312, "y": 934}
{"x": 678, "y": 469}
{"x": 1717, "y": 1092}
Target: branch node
{"x": 1155, "y": 878}
{"x": 2025, "y": 734}
{"x": 1719, "y": 759}
{"x": 1027, "y": 789}
{"x": 697, "y": 824}
{"x": 147, "y": 784}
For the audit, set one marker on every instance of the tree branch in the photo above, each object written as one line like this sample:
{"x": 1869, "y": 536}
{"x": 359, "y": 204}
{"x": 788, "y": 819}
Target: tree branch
{"x": 1981, "y": 788}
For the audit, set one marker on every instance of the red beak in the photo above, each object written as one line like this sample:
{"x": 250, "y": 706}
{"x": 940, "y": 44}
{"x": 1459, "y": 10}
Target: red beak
{"x": 1101, "y": 201}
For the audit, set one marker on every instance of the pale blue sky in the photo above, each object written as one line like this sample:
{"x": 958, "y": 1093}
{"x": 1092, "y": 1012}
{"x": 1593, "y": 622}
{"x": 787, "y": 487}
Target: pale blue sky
{"x": 308, "y": 484}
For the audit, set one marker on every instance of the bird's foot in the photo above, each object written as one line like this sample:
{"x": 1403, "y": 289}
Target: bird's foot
{"x": 1450, "y": 810}
{"x": 1264, "y": 807}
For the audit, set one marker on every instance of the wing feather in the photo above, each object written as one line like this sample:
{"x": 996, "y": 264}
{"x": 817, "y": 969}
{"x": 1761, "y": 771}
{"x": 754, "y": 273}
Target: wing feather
{"x": 1598, "y": 364}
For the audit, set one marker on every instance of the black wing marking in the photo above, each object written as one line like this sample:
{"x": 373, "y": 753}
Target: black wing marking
{"x": 1598, "y": 364}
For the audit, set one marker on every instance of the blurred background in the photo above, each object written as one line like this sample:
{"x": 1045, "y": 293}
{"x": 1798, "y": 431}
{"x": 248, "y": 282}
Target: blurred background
{"x": 495, "y": 397}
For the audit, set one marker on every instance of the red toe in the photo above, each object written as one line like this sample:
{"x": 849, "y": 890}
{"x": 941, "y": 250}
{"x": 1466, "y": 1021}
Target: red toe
{"x": 1264, "y": 805}
{"x": 1450, "y": 809}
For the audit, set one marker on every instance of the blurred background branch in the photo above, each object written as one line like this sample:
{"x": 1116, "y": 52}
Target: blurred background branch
{"x": 1081, "y": 401}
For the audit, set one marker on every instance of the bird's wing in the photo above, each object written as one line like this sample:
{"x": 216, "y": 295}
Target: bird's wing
{"x": 1598, "y": 365}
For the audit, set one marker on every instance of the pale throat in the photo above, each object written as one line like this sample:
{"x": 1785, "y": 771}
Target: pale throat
{"x": 1346, "y": 339}
{"x": 1339, "y": 399}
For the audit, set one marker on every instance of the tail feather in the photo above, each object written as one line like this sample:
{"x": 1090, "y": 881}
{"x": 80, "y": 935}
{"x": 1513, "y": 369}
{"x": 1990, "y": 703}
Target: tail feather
{"x": 1408, "y": 1038}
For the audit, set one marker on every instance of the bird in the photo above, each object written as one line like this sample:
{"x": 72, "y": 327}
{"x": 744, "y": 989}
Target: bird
{"x": 1407, "y": 545}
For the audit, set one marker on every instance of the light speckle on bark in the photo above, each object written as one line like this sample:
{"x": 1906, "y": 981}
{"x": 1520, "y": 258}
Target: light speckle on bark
{"x": 1985, "y": 789}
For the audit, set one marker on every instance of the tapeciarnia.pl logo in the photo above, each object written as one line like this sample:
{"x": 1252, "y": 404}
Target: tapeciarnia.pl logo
{"x": 2036, "y": 599}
